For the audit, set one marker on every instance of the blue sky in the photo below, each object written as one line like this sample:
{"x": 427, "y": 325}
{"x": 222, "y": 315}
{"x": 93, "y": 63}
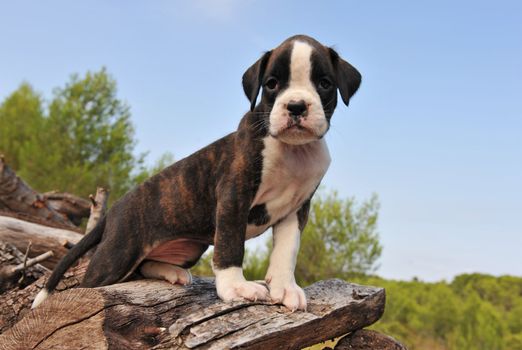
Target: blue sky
{"x": 435, "y": 130}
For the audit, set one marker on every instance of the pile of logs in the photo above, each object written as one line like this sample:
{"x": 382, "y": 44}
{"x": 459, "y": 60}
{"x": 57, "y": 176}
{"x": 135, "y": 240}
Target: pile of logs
{"x": 36, "y": 231}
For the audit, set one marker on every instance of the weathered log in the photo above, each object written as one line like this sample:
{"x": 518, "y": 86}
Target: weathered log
{"x": 39, "y": 220}
{"x": 74, "y": 207}
{"x": 155, "y": 314}
{"x": 16, "y": 302}
{"x": 365, "y": 339}
{"x": 19, "y": 197}
{"x": 14, "y": 265}
{"x": 19, "y": 233}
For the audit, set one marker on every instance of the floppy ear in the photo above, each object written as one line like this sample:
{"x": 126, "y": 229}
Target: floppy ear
{"x": 252, "y": 79}
{"x": 348, "y": 78}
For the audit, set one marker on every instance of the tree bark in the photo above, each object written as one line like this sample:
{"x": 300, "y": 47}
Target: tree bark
{"x": 155, "y": 314}
{"x": 19, "y": 233}
{"x": 17, "y": 196}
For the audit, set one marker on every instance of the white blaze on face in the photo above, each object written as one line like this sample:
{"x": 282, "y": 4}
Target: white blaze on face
{"x": 300, "y": 87}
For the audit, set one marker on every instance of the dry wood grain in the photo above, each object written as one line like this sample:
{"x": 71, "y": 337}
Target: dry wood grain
{"x": 16, "y": 302}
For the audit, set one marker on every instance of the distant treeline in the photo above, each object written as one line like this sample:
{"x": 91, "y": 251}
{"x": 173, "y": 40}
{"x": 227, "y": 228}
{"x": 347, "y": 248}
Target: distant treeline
{"x": 474, "y": 311}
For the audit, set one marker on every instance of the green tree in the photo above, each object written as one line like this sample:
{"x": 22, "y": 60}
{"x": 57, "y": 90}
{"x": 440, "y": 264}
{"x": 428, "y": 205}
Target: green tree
{"x": 21, "y": 118}
{"x": 480, "y": 327}
{"x": 340, "y": 239}
{"x": 83, "y": 140}
{"x": 90, "y": 139}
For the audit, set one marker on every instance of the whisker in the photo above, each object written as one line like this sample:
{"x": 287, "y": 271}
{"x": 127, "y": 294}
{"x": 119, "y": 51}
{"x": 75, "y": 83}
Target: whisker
{"x": 329, "y": 102}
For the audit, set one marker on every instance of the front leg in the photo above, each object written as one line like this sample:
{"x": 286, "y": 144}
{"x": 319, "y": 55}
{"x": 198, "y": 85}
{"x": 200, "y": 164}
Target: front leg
{"x": 280, "y": 274}
{"x": 229, "y": 249}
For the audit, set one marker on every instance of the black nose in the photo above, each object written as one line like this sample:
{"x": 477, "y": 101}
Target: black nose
{"x": 297, "y": 108}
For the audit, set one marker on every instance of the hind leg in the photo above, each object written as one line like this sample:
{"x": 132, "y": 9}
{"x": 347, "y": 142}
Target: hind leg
{"x": 111, "y": 264}
{"x": 160, "y": 270}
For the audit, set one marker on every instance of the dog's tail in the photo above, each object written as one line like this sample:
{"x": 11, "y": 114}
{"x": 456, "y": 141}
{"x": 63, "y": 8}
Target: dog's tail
{"x": 86, "y": 243}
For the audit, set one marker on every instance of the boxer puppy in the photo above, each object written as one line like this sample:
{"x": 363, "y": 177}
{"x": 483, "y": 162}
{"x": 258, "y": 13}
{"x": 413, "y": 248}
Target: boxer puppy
{"x": 258, "y": 177}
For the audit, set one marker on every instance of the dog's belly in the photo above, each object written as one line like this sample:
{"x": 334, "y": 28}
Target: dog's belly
{"x": 178, "y": 252}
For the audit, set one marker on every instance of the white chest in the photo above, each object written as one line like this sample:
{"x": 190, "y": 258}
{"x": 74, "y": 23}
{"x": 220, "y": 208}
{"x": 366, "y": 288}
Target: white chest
{"x": 290, "y": 175}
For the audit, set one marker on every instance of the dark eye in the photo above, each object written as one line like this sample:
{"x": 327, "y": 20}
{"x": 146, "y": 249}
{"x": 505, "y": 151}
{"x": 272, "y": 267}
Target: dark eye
{"x": 325, "y": 84}
{"x": 271, "y": 83}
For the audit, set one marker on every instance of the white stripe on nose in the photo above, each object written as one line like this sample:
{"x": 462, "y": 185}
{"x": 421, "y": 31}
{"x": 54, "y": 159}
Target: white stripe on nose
{"x": 300, "y": 66}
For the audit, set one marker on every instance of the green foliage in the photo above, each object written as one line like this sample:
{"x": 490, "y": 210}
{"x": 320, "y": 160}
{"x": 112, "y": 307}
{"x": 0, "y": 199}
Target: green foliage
{"x": 473, "y": 312}
{"x": 84, "y": 139}
{"x": 21, "y": 119}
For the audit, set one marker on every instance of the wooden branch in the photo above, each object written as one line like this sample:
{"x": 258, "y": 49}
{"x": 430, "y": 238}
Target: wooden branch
{"x": 30, "y": 262}
{"x": 16, "y": 302}
{"x": 43, "y": 238}
{"x": 74, "y": 207}
{"x": 365, "y": 339}
{"x": 98, "y": 207}
{"x": 19, "y": 197}
{"x": 12, "y": 265}
{"x": 155, "y": 314}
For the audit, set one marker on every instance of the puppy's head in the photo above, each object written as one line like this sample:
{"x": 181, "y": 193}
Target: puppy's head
{"x": 299, "y": 81}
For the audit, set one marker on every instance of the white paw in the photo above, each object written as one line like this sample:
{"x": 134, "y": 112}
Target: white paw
{"x": 243, "y": 290}
{"x": 231, "y": 285}
{"x": 287, "y": 293}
